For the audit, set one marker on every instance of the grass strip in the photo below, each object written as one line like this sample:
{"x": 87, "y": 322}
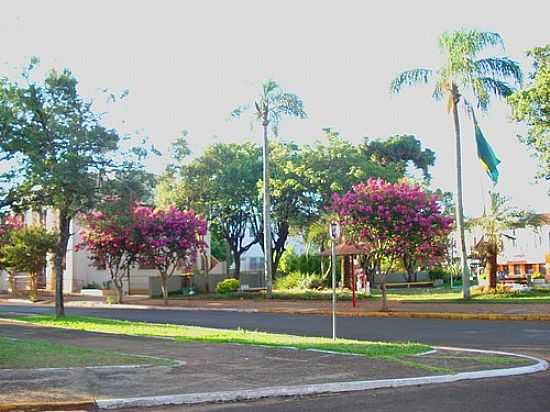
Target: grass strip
{"x": 413, "y": 364}
{"x": 31, "y": 354}
{"x": 490, "y": 359}
{"x": 413, "y": 295}
{"x": 225, "y": 336}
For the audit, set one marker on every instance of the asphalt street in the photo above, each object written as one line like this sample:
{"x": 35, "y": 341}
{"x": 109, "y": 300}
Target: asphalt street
{"x": 523, "y": 393}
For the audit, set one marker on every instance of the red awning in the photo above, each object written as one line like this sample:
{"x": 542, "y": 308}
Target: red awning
{"x": 346, "y": 249}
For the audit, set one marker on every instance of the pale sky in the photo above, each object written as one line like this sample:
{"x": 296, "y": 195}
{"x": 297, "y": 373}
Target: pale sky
{"x": 187, "y": 64}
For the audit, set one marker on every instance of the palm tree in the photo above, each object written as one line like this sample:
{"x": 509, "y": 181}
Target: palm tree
{"x": 494, "y": 223}
{"x": 272, "y": 104}
{"x": 464, "y": 71}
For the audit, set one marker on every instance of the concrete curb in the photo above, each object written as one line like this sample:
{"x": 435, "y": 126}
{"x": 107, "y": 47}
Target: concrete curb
{"x": 335, "y": 387}
{"x": 48, "y": 406}
{"x": 326, "y": 312}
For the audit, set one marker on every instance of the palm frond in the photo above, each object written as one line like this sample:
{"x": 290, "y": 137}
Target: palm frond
{"x": 499, "y": 67}
{"x": 483, "y": 39}
{"x": 437, "y": 94}
{"x": 268, "y": 87}
{"x": 410, "y": 78}
{"x": 496, "y": 87}
{"x": 468, "y": 42}
{"x": 290, "y": 105}
{"x": 237, "y": 112}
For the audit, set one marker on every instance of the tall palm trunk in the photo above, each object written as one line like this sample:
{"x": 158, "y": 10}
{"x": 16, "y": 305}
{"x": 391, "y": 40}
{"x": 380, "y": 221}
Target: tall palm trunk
{"x": 267, "y": 217}
{"x": 459, "y": 204}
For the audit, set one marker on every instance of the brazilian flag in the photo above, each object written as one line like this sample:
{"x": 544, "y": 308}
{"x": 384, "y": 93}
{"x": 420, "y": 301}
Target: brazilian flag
{"x": 488, "y": 158}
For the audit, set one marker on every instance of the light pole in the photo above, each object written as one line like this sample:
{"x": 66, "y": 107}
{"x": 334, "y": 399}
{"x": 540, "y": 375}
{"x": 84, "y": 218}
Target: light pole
{"x": 334, "y": 232}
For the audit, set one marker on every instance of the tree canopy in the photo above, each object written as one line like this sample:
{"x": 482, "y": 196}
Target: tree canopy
{"x": 61, "y": 150}
{"x": 532, "y": 106}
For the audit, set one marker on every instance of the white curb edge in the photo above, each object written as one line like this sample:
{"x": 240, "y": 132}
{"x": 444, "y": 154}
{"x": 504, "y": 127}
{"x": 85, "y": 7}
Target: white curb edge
{"x": 335, "y": 387}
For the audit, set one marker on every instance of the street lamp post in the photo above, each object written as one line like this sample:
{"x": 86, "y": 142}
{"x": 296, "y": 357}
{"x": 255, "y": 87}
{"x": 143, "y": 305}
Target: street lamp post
{"x": 334, "y": 232}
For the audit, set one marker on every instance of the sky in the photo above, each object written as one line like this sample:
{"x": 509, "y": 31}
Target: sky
{"x": 187, "y": 64}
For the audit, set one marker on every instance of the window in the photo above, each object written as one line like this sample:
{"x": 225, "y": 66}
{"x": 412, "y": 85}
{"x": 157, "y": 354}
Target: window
{"x": 542, "y": 269}
{"x": 529, "y": 269}
{"x": 517, "y": 270}
{"x": 256, "y": 263}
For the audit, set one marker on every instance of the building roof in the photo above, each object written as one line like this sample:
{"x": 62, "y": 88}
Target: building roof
{"x": 346, "y": 249}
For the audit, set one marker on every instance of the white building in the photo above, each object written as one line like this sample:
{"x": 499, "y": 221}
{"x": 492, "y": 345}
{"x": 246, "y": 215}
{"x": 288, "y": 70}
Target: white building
{"x": 525, "y": 251}
{"x": 81, "y": 271}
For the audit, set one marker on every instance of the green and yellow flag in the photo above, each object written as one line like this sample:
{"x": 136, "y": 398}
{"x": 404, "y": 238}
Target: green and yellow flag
{"x": 488, "y": 158}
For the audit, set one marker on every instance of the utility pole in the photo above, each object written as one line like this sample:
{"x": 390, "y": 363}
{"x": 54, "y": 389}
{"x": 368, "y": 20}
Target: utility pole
{"x": 267, "y": 209}
{"x": 334, "y": 232}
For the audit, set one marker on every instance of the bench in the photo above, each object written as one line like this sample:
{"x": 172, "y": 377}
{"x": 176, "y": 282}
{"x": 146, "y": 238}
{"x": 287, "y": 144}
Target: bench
{"x": 522, "y": 280}
{"x": 408, "y": 285}
{"x": 252, "y": 290}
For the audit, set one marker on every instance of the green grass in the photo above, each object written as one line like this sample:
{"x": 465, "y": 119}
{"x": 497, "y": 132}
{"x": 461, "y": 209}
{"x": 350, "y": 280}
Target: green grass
{"x": 490, "y": 359}
{"x": 413, "y": 295}
{"x": 30, "y": 354}
{"x": 225, "y": 336}
{"x": 443, "y": 295}
{"x": 279, "y": 294}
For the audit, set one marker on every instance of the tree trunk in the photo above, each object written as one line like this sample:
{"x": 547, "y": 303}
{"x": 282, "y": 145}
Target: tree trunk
{"x": 385, "y": 307}
{"x": 33, "y": 294}
{"x": 237, "y": 272}
{"x": 459, "y": 204}
{"x": 13, "y": 283}
{"x": 118, "y": 289}
{"x": 60, "y": 253}
{"x": 164, "y": 287}
{"x": 227, "y": 257}
{"x": 491, "y": 269}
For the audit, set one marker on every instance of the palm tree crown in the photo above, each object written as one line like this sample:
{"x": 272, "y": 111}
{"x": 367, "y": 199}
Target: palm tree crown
{"x": 272, "y": 104}
{"x": 484, "y": 76}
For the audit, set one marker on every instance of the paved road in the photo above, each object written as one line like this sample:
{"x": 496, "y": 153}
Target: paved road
{"x": 475, "y": 334}
{"x": 526, "y": 393}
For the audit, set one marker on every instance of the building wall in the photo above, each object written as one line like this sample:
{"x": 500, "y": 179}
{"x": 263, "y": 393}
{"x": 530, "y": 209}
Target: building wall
{"x": 80, "y": 270}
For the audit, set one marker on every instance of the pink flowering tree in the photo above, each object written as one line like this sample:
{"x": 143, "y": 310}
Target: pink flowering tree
{"x": 8, "y": 225}
{"x": 110, "y": 242}
{"x": 170, "y": 239}
{"x": 393, "y": 221}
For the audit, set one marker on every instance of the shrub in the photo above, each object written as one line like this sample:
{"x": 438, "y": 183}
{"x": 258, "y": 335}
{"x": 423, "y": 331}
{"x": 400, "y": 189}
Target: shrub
{"x": 312, "y": 282}
{"x": 536, "y": 275}
{"x": 228, "y": 286}
{"x": 290, "y": 281}
{"x": 291, "y": 262}
{"x": 91, "y": 285}
{"x": 499, "y": 290}
{"x": 444, "y": 272}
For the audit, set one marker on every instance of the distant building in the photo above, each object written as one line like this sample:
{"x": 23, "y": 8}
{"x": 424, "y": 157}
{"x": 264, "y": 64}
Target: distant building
{"x": 81, "y": 270}
{"x": 525, "y": 251}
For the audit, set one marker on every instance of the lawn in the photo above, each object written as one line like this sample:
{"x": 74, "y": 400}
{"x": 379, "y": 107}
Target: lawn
{"x": 29, "y": 354}
{"x": 224, "y": 336}
{"x": 416, "y": 295}
{"x": 444, "y": 295}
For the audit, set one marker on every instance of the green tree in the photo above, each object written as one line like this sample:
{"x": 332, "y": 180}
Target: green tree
{"x": 222, "y": 185}
{"x": 26, "y": 252}
{"x": 293, "y": 202}
{"x": 272, "y": 104}
{"x": 398, "y": 152}
{"x": 463, "y": 71}
{"x": 494, "y": 223}
{"x": 532, "y": 106}
{"x": 63, "y": 153}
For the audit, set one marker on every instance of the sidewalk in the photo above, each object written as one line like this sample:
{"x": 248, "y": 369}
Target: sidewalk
{"x": 482, "y": 311}
{"x": 210, "y": 369}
